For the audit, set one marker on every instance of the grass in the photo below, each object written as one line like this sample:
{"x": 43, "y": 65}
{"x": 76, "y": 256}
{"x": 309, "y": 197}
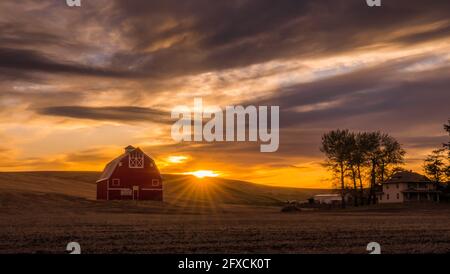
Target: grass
{"x": 177, "y": 188}
{"x": 40, "y": 212}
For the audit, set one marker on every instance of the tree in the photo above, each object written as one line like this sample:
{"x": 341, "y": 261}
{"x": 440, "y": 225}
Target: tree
{"x": 383, "y": 152}
{"x": 447, "y": 172}
{"x": 358, "y": 161}
{"x": 349, "y": 154}
{"x": 353, "y": 158}
{"x": 373, "y": 144}
{"x": 447, "y": 145}
{"x": 391, "y": 155}
{"x": 434, "y": 165}
{"x": 337, "y": 145}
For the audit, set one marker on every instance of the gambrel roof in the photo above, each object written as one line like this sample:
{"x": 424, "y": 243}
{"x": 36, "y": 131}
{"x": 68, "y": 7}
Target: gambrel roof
{"x": 111, "y": 166}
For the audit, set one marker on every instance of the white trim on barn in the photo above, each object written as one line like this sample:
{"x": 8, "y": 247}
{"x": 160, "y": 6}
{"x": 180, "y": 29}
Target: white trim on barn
{"x": 136, "y": 160}
{"x": 159, "y": 189}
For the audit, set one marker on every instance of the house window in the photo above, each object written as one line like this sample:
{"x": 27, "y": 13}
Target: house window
{"x": 398, "y": 196}
{"x": 397, "y": 185}
{"x": 387, "y": 196}
{"x": 387, "y": 186}
{"x": 136, "y": 160}
{"x": 116, "y": 182}
{"x": 155, "y": 182}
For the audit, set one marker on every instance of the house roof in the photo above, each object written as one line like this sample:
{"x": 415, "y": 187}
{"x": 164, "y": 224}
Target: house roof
{"x": 111, "y": 166}
{"x": 407, "y": 177}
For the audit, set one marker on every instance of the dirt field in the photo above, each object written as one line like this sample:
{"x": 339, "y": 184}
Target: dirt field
{"x": 44, "y": 222}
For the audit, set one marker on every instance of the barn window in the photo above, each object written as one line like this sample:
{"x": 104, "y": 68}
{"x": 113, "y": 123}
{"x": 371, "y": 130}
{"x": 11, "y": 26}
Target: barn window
{"x": 398, "y": 196}
{"x": 116, "y": 182}
{"x": 125, "y": 192}
{"x": 387, "y": 196}
{"x": 136, "y": 160}
{"x": 155, "y": 182}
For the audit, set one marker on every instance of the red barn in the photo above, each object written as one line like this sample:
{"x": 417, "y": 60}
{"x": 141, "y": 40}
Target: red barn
{"x": 131, "y": 176}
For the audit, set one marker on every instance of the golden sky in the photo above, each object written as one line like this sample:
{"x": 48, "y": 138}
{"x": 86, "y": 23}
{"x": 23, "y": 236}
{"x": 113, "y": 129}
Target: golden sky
{"x": 79, "y": 84}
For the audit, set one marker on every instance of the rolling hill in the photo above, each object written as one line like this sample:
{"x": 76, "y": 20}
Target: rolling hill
{"x": 178, "y": 189}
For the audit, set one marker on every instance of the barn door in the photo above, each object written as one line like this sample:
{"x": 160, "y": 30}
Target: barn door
{"x": 135, "y": 193}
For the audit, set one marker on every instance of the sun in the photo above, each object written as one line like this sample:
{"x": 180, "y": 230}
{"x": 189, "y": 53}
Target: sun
{"x": 203, "y": 173}
{"x": 177, "y": 159}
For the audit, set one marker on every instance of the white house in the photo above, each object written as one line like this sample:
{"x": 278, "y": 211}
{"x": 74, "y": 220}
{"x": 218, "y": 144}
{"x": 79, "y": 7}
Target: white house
{"x": 328, "y": 198}
{"x": 408, "y": 186}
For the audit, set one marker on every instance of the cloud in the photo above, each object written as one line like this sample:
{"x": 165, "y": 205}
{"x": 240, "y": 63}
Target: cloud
{"x": 93, "y": 155}
{"x": 235, "y": 33}
{"x": 112, "y": 113}
{"x": 33, "y": 61}
{"x": 424, "y": 141}
{"x": 387, "y": 95}
{"x": 162, "y": 39}
{"x": 327, "y": 64}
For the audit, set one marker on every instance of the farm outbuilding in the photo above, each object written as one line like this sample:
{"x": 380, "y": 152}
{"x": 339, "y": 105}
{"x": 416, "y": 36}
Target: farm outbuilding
{"x": 328, "y": 199}
{"x": 131, "y": 176}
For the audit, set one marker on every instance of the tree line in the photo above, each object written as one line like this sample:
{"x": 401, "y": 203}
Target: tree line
{"x": 437, "y": 164}
{"x": 360, "y": 161}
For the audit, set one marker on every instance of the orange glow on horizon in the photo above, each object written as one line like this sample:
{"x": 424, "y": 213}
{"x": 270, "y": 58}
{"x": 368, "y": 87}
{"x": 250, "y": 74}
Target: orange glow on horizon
{"x": 202, "y": 173}
{"x": 177, "y": 159}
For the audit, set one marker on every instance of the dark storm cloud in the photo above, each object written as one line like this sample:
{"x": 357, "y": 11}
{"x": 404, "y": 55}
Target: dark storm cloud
{"x": 123, "y": 114}
{"x": 402, "y": 98}
{"x": 214, "y": 35}
{"x": 29, "y": 60}
{"x": 171, "y": 38}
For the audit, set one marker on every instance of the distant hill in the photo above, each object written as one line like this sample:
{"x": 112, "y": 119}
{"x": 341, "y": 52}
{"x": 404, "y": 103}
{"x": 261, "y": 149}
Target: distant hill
{"x": 178, "y": 189}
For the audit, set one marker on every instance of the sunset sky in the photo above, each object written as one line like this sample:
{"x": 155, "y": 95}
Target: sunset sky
{"x": 77, "y": 85}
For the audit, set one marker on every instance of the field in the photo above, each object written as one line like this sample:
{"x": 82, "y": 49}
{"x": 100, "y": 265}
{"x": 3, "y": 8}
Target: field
{"x": 40, "y": 212}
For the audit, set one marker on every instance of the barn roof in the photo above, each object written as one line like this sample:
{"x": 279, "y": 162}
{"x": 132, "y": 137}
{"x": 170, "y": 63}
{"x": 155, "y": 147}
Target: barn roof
{"x": 408, "y": 177}
{"x": 111, "y": 166}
